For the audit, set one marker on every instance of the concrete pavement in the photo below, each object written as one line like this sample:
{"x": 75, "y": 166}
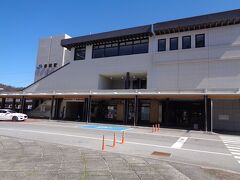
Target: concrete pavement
{"x": 30, "y": 159}
{"x": 199, "y": 148}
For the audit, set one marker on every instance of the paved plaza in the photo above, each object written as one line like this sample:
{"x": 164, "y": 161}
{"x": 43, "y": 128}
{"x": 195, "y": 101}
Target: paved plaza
{"x": 28, "y": 159}
{"x": 39, "y": 149}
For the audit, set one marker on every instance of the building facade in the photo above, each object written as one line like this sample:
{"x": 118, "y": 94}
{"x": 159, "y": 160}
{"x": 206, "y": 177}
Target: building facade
{"x": 183, "y": 73}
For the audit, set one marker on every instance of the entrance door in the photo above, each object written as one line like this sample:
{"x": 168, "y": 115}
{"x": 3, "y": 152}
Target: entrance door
{"x": 74, "y": 110}
{"x": 184, "y": 114}
{"x": 144, "y": 113}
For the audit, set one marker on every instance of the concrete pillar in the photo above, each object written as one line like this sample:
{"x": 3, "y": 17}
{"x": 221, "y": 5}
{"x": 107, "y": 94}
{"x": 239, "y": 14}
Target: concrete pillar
{"x": 166, "y": 111}
{"x": 211, "y": 120}
{"x": 85, "y": 110}
{"x": 52, "y": 106}
{"x": 208, "y": 113}
{"x": 3, "y": 102}
{"x": 23, "y": 102}
{"x": 135, "y": 110}
{"x": 13, "y": 103}
{"x": 126, "y": 110}
{"x": 89, "y": 109}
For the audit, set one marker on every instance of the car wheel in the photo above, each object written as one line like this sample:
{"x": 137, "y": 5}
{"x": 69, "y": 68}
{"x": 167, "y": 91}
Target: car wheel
{"x": 14, "y": 118}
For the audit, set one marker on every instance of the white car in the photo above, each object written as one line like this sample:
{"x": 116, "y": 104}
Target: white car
{"x": 8, "y": 114}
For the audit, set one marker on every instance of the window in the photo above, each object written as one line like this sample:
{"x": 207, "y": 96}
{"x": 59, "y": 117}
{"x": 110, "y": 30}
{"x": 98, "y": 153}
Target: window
{"x": 186, "y": 42}
{"x": 45, "y": 65}
{"x": 143, "y": 84}
{"x": 55, "y": 65}
{"x": 98, "y": 51}
{"x": 200, "y": 40}
{"x": 111, "y": 50}
{"x": 162, "y": 45}
{"x": 120, "y": 48}
{"x": 140, "y": 46}
{"x": 79, "y": 53}
{"x": 174, "y": 43}
{"x": 40, "y": 66}
{"x": 125, "y": 48}
{"x": 50, "y": 65}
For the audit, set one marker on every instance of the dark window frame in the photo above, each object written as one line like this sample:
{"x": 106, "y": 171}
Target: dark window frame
{"x": 97, "y": 48}
{"x": 165, "y": 45}
{"x": 131, "y": 44}
{"x": 111, "y": 46}
{"x": 79, "y": 50}
{"x": 184, "y": 46}
{"x": 196, "y": 42}
{"x": 170, "y": 44}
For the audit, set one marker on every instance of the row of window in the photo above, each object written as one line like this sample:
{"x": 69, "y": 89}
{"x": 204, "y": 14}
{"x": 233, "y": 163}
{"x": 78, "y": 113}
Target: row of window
{"x": 120, "y": 49}
{"x": 114, "y": 49}
{"x": 46, "y": 65}
{"x": 186, "y": 42}
{"x": 137, "y": 47}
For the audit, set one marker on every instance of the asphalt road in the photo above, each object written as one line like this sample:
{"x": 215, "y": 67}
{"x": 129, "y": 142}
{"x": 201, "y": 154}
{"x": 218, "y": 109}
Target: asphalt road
{"x": 188, "y": 147}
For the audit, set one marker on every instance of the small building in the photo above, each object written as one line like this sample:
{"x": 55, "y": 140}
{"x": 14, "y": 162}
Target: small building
{"x": 183, "y": 73}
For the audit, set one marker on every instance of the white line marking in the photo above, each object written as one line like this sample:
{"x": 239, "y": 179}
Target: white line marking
{"x": 235, "y": 153}
{"x": 238, "y": 157}
{"x": 237, "y": 150}
{"x": 231, "y": 146}
{"x": 232, "y": 142}
{"x": 77, "y": 126}
{"x": 128, "y": 142}
{"x": 230, "y": 139}
{"x": 179, "y": 143}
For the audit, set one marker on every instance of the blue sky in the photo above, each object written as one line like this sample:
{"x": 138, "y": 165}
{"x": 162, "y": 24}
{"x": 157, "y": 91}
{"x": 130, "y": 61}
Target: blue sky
{"x": 23, "y": 22}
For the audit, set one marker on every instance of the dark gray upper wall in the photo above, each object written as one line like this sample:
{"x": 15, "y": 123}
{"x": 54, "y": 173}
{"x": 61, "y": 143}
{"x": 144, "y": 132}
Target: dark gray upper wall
{"x": 180, "y": 25}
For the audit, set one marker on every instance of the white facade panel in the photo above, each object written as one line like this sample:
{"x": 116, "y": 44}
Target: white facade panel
{"x": 164, "y": 77}
{"x": 224, "y": 74}
{"x": 193, "y": 76}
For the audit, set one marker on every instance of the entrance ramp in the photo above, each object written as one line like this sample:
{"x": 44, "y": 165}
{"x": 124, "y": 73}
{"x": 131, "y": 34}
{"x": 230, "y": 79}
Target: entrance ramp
{"x": 42, "y": 110}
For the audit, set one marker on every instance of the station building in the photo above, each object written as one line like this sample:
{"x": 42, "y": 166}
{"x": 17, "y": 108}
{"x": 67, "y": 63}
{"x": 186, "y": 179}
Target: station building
{"x": 183, "y": 73}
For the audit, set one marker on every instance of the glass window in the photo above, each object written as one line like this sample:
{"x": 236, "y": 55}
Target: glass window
{"x": 125, "y": 50}
{"x": 137, "y": 42}
{"x": 121, "y": 48}
{"x": 174, "y": 43}
{"x": 200, "y": 40}
{"x": 140, "y": 48}
{"x": 129, "y": 43}
{"x": 55, "y": 65}
{"x": 143, "y": 84}
{"x": 162, "y": 45}
{"x": 186, "y": 42}
{"x": 45, "y": 65}
{"x": 98, "y": 52}
{"x": 40, "y": 66}
{"x": 80, "y": 53}
{"x": 50, "y": 65}
{"x": 135, "y": 84}
{"x": 111, "y": 50}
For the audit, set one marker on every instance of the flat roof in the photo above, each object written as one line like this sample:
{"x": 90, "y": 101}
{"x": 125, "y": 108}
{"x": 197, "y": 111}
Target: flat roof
{"x": 173, "y": 26}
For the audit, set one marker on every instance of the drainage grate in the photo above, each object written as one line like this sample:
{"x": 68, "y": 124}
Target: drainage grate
{"x": 163, "y": 154}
